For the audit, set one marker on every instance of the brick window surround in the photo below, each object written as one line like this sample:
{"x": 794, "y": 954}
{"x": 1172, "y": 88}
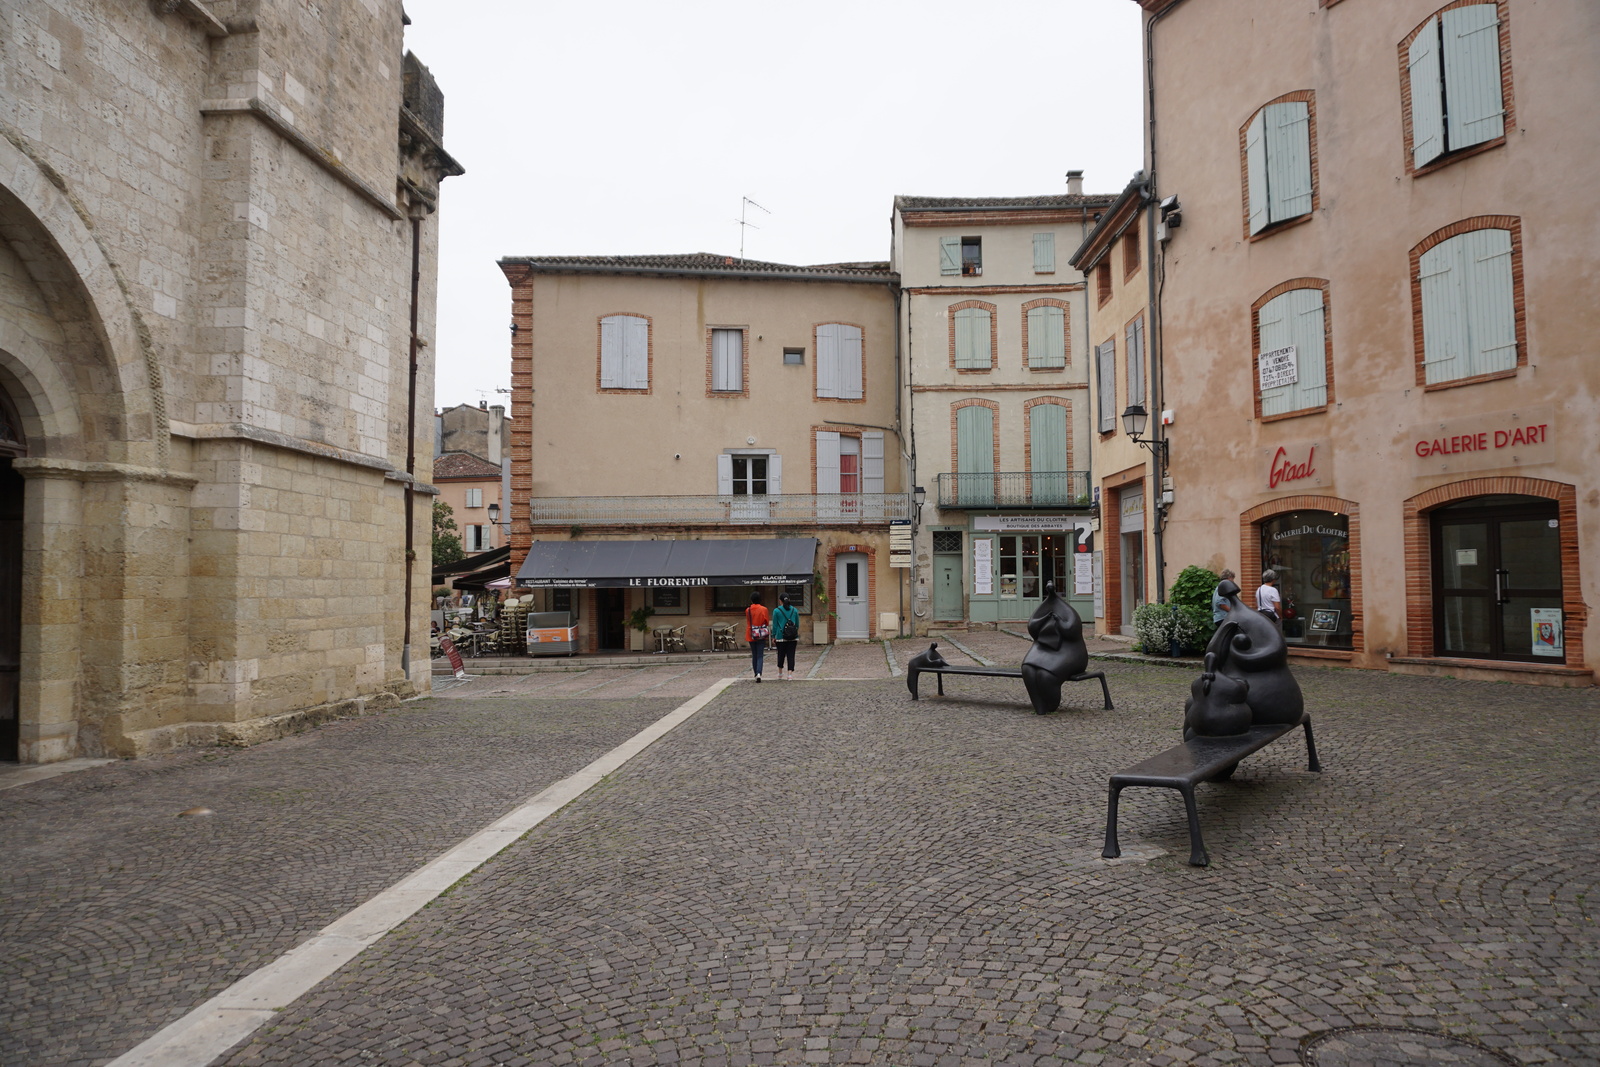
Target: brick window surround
{"x": 1518, "y": 298}
{"x": 1102, "y": 282}
{"x": 1310, "y": 99}
{"x": 744, "y": 363}
{"x": 1418, "y": 527}
{"x": 1130, "y": 250}
{"x": 994, "y": 335}
{"x": 1508, "y": 105}
{"x": 1327, "y": 345}
{"x": 872, "y": 582}
{"x": 1250, "y": 561}
{"x": 1066, "y": 333}
{"x": 1027, "y": 431}
{"x": 957, "y": 406}
{"x": 650, "y": 354}
{"x": 816, "y": 361}
{"x": 842, "y": 431}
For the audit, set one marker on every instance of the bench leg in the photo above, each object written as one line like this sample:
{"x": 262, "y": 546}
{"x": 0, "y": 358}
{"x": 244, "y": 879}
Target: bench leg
{"x": 1112, "y": 849}
{"x": 1104, "y": 688}
{"x": 1197, "y": 848}
{"x": 1311, "y": 747}
{"x": 941, "y": 683}
{"x": 911, "y": 681}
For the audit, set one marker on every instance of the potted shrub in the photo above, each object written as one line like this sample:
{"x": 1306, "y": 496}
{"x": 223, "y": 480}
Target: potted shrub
{"x": 1153, "y": 625}
{"x": 639, "y": 623}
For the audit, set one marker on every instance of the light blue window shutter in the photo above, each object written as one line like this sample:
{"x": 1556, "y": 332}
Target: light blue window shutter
{"x": 1105, "y": 369}
{"x": 774, "y": 475}
{"x": 611, "y": 352}
{"x": 1442, "y": 274}
{"x": 828, "y": 360}
{"x": 1490, "y": 303}
{"x": 636, "y": 349}
{"x": 727, "y": 360}
{"x": 1044, "y": 253}
{"x": 1255, "y": 156}
{"x": 1427, "y": 96}
{"x": 1473, "y": 104}
{"x": 850, "y": 362}
{"x": 872, "y": 462}
{"x": 1276, "y": 326}
{"x": 1303, "y": 314}
{"x": 1048, "y": 440}
{"x": 1288, "y": 134}
{"x": 827, "y": 461}
{"x": 1135, "y": 349}
{"x": 972, "y": 338}
{"x": 724, "y": 475}
{"x": 949, "y": 255}
{"x": 974, "y": 455}
{"x": 1047, "y": 337}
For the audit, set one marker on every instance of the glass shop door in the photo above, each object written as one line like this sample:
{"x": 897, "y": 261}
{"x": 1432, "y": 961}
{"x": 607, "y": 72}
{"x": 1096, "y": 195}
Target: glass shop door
{"x": 1497, "y": 582}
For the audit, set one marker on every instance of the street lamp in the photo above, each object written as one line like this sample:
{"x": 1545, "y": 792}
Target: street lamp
{"x": 919, "y": 497}
{"x": 494, "y": 516}
{"x": 1134, "y": 420}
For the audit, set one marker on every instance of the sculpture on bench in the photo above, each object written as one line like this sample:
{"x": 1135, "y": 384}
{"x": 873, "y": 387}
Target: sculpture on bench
{"x": 1058, "y": 651}
{"x": 1249, "y": 651}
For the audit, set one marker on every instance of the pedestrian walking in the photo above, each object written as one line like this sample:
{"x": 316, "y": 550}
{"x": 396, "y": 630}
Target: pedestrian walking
{"x": 1219, "y": 606}
{"x": 785, "y": 635}
{"x": 757, "y": 629}
{"x": 1268, "y": 602}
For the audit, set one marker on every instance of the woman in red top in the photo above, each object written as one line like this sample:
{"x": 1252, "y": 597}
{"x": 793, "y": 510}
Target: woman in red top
{"x": 757, "y": 625}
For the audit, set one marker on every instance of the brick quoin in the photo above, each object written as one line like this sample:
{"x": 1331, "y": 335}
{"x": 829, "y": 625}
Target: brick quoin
{"x": 1250, "y": 560}
{"x": 520, "y": 533}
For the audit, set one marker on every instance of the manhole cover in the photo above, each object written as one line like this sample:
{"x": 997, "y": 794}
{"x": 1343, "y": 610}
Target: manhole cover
{"x": 1397, "y": 1046}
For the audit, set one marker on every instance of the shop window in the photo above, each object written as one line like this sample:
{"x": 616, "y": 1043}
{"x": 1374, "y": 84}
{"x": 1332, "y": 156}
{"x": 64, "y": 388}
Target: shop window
{"x": 1310, "y": 551}
{"x": 1457, "y": 74}
{"x": 1497, "y": 582}
{"x": 564, "y": 600}
{"x": 799, "y": 597}
{"x": 733, "y": 598}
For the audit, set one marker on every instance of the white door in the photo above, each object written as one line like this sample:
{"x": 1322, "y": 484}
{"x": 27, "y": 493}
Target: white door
{"x": 851, "y": 595}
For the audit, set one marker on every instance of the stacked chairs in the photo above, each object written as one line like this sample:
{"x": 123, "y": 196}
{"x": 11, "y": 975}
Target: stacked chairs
{"x": 722, "y": 637}
{"x": 675, "y": 642}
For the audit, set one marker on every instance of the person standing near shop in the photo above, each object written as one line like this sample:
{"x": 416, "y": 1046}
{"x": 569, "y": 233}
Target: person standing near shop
{"x": 757, "y": 628}
{"x": 785, "y": 635}
{"x": 1268, "y": 602}
{"x": 1219, "y": 606}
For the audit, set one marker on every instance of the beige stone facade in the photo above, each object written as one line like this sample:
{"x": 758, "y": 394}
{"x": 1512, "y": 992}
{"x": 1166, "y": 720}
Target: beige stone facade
{"x": 1385, "y": 377}
{"x": 725, "y": 417}
{"x": 208, "y": 223}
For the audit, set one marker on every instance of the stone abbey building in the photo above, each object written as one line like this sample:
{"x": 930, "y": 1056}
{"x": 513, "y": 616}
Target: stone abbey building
{"x": 217, "y": 259}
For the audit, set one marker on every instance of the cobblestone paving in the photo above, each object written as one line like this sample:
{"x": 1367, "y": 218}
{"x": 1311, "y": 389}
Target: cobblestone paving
{"x": 116, "y": 917}
{"x": 832, "y": 874}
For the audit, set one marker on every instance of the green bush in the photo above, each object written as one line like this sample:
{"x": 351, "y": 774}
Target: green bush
{"x": 1192, "y": 626}
{"x": 1152, "y": 625}
{"x": 1194, "y": 587}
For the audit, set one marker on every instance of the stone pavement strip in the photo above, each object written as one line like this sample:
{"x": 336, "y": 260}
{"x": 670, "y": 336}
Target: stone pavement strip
{"x": 825, "y": 872}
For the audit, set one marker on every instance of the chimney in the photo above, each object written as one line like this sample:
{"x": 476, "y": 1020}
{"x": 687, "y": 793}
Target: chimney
{"x": 1075, "y": 182}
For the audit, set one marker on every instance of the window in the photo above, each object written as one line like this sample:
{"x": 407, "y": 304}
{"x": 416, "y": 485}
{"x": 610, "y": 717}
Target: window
{"x": 849, "y": 463}
{"x": 972, "y": 336}
{"x": 961, "y": 255}
{"x": 1102, "y": 282}
{"x": 1044, "y": 253}
{"x": 749, "y": 475}
{"x": 1292, "y": 349}
{"x": 1278, "y": 173}
{"x": 1105, "y": 369}
{"x": 799, "y": 597}
{"x": 794, "y": 357}
{"x": 1467, "y": 284}
{"x": 1310, "y": 551}
{"x": 1134, "y": 346}
{"x": 475, "y": 538}
{"x": 975, "y": 454}
{"x": 727, "y": 361}
{"x": 669, "y": 601}
{"x": 1455, "y": 73}
{"x": 1130, "y": 250}
{"x": 1044, "y": 332}
{"x": 747, "y": 478}
{"x": 563, "y": 600}
{"x": 474, "y": 498}
{"x": 839, "y": 365}
{"x": 624, "y": 352}
{"x": 732, "y": 598}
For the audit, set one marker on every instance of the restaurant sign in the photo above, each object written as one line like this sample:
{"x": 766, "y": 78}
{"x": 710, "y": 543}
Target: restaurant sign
{"x": 1508, "y": 439}
{"x": 1306, "y": 465}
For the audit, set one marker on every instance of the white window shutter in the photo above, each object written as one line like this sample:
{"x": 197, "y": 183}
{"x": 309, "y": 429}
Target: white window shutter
{"x": 1427, "y": 96}
{"x": 1471, "y": 40}
{"x": 1442, "y": 275}
{"x": 1044, "y": 253}
{"x": 1047, "y": 337}
{"x": 1276, "y": 329}
{"x": 827, "y": 461}
{"x": 774, "y": 475}
{"x": 1306, "y": 315}
{"x": 949, "y": 255}
{"x": 828, "y": 360}
{"x": 1288, "y": 134}
{"x": 636, "y": 332}
{"x": 851, "y": 366}
{"x": 1255, "y": 155}
{"x": 724, "y": 475}
{"x": 727, "y": 359}
{"x": 1106, "y": 378}
{"x": 972, "y": 338}
{"x": 872, "y": 462}
{"x": 1490, "y": 301}
{"x": 611, "y": 352}
{"x": 1135, "y": 349}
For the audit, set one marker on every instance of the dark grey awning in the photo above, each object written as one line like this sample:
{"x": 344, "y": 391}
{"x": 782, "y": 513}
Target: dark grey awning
{"x": 650, "y": 564}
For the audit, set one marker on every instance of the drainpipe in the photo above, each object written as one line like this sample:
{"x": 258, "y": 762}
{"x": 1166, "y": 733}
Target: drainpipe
{"x": 411, "y": 436}
{"x": 911, "y": 576}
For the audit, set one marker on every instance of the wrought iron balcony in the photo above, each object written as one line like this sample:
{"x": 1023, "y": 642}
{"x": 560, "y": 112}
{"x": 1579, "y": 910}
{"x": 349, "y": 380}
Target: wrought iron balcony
{"x": 1015, "y": 489}
{"x": 797, "y": 509}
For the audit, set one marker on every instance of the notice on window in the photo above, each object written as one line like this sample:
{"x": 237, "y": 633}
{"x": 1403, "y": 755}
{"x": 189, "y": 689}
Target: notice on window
{"x": 982, "y": 566}
{"x": 1099, "y": 585}
{"x": 1466, "y": 557}
{"x": 1279, "y": 367}
{"x": 1547, "y": 638}
{"x": 1082, "y": 574}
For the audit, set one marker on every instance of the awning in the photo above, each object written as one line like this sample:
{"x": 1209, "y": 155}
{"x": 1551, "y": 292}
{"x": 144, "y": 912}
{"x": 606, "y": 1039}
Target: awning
{"x": 652, "y": 564}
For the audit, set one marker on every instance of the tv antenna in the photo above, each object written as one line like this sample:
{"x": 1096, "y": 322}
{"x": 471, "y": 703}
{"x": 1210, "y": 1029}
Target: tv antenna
{"x": 744, "y": 224}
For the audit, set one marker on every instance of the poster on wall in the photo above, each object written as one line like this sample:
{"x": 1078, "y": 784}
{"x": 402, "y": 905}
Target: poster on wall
{"x": 1099, "y": 586}
{"x": 1082, "y": 574}
{"x": 1547, "y": 638}
{"x": 982, "y": 566}
{"x": 1279, "y": 367}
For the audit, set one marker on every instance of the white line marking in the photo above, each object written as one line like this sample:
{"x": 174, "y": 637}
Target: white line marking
{"x": 817, "y": 666}
{"x": 238, "y": 1011}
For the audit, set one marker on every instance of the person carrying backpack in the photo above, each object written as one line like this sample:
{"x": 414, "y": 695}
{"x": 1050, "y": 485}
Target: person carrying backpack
{"x": 786, "y": 635}
{"x": 757, "y": 630}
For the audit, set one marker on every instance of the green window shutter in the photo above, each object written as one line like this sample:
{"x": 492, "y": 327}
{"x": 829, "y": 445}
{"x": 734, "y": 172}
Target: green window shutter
{"x": 1044, "y": 253}
{"x": 1048, "y": 437}
{"x": 1445, "y": 340}
{"x": 1047, "y": 337}
{"x": 1470, "y": 39}
{"x": 1288, "y": 137}
{"x": 975, "y": 440}
{"x": 972, "y": 338}
{"x": 1427, "y": 95}
{"x": 949, "y": 255}
{"x": 1255, "y": 157}
{"x": 1296, "y": 318}
{"x": 1490, "y": 301}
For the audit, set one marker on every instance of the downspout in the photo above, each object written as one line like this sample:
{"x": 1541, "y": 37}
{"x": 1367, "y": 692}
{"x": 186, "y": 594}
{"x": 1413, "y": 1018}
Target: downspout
{"x": 411, "y": 437}
{"x": 894, "y": 291}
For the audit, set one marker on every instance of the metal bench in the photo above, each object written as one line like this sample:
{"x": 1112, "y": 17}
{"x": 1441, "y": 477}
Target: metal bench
{"x": 1199, "y": 759}
{"x": 930, "y": 662}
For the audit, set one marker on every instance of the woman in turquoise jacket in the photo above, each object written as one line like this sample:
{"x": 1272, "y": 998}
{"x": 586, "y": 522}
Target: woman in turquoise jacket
{"x": 785, "y": 621}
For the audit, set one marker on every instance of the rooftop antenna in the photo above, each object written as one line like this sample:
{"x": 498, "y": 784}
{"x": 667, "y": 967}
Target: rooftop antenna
{"x": 744, "y": 225}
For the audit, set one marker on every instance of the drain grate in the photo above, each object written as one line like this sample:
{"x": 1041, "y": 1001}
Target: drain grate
{"x": 1396, "y": 1046}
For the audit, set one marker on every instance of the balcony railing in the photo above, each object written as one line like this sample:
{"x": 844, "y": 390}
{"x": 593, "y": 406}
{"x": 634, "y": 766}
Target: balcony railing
{"x": 798, "y": 509}
{"x": 1015, "y": 489}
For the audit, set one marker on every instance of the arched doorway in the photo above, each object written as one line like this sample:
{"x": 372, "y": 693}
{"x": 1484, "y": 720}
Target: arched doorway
{"x": 12, "y": 445}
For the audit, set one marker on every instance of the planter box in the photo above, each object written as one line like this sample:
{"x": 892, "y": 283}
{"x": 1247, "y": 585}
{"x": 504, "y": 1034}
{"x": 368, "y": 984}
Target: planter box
{"x": 819, "y": 631}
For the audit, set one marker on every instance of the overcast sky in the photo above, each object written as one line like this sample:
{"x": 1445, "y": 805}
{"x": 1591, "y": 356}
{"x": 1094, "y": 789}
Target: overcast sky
{"x": 617, "y": 128}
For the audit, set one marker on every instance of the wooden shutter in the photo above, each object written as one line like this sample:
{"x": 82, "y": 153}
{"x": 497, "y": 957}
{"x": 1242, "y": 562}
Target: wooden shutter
{"x": 1288, "y": 137}
{"x": 872, "y": 462}
{"x": 1044, "y": 253}
{"x": 827, "y": 461}
{"x": 949, "y": 255}
{"x": 1427, "y": 96}
{"x": 1047, "y": 425}
{"x": 724, "y": 475}
{"x": 972, "y": 338}
{"x": 1135, "y": 350}
{"x": 1255, "y": 155}
{"x": 727, "y": 361}
{"x": 1296, "y": 318}
{"x": 1047, "y": 337}
{"x": 850, "y": 362}
{"x": 1490, "y": 303}
{"x": 1105, "y": 369}
{"x": 774, "y": 475}
{"x": 974, "y": 440}
{"x": 828, "y": 360}
{"x": 611, "y": 352}
{"x": 1470, "y": 39}
{"x": 636, "y": 352}
{"x": 1442, "y": 275}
